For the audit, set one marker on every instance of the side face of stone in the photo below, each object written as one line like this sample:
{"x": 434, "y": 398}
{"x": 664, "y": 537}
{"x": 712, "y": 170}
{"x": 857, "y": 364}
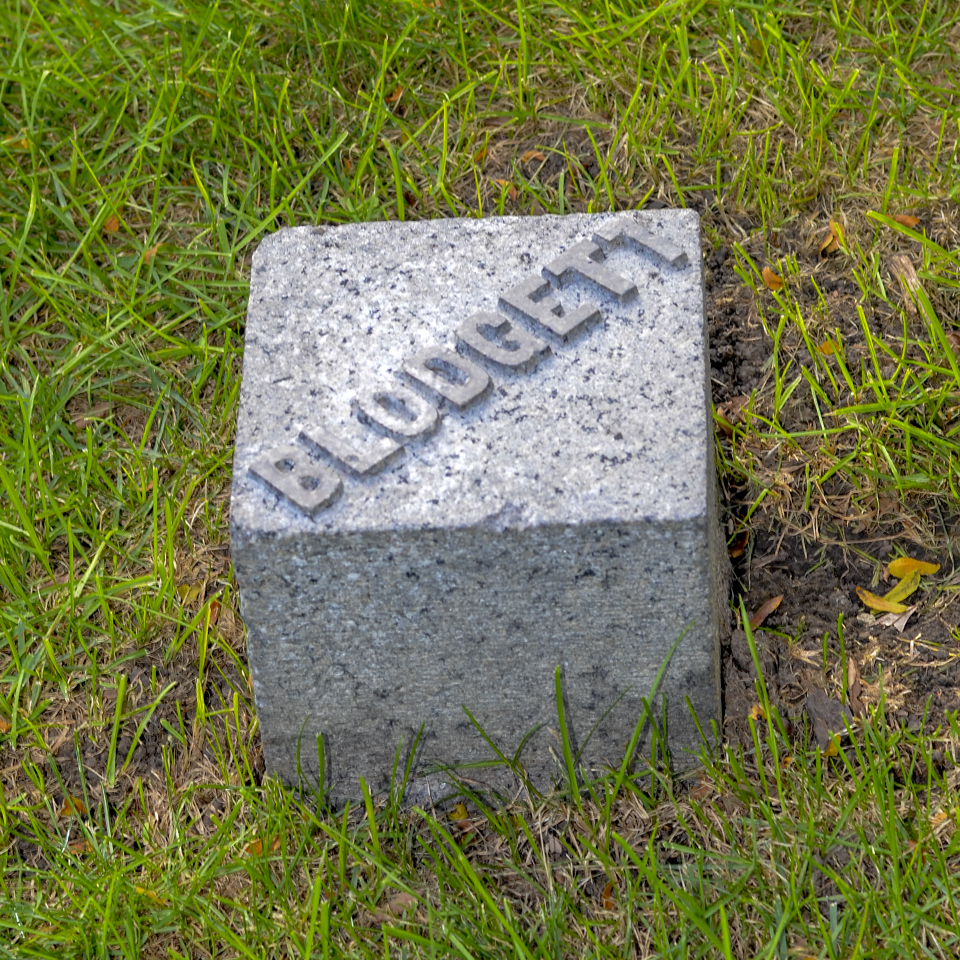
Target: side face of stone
{"x": 558, "y": 511}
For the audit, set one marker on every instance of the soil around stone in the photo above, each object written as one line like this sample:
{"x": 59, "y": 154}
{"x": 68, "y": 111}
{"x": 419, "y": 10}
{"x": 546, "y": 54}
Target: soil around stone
{"x": 799, "y": 645}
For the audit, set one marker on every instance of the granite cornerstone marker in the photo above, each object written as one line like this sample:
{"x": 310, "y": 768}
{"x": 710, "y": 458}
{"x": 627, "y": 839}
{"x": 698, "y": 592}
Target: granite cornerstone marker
{"x": 469, "y": 451}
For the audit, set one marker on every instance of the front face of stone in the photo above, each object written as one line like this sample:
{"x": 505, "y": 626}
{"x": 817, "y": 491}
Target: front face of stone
{"x": 468, "y": 452}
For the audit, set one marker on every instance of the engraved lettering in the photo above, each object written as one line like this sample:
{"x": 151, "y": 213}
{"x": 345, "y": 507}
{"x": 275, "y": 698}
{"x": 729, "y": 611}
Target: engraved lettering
{"x": 361, "y": 462}
{"x": 516, "y": 349}
{"x": 618, "y": 233}
{"x": 529, "y": 300}
{"x": 581, "y": 261}
{"x": 398, "y": 410}
{"x": 289, "y": 471}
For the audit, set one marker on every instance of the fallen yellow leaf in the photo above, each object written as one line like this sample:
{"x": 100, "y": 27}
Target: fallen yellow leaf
{"x": 902, "y": 567}
{"x": 771, "y": 279}
{"x": 756, "y": 712}
{"x": 908, "y": 585}
{"x": 532, "y": 155}
{"x": 508, "y": 186}
{"x": 144, "y": 892}
{"x": 189, "y": 592}
{"x": 395, "y": 96}
{"x": 833, "y": 748}
{"x": 73, "y": 807}
{"x": 827, "y": 348}
{"x": 459, "y": 812}
{"x": 874, "y": 602}
{"x": 80, "y": 846}
{"x": 5, "y": 726}
{"x": 480, "y": 155}
{"x": 151, "y": 253}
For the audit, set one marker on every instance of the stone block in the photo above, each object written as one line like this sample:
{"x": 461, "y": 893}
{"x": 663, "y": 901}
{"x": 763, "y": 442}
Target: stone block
{"x": 468, "y": 452}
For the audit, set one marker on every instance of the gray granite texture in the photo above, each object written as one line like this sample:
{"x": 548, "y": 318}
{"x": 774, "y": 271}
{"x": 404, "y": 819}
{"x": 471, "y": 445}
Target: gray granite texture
{"x": 554, "y": 511}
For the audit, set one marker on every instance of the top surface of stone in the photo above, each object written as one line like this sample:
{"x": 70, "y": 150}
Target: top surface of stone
{"x": 610, "y": 425}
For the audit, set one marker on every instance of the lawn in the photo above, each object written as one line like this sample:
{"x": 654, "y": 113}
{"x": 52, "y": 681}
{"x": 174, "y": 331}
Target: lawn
{"x": 147, "y": 147}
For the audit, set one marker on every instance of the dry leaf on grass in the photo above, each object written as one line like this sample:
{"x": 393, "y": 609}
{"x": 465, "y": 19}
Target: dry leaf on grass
{"x": 765, "y": 610}
{"x": 150, "y": 254}
{"x": 854, "y": 688}
{"x": 904, "y": 566}
{"x": 508, "y": 186}
{"x": 828, "y": 348}
{"x": 939, "y": 819}
{"x": 702, "y": 790}
{"x": 5, "y": 726}
{"x": 906, "y": 220}
{"x": 901, "y": 267}
{"x": 227, "y": 624}
{"x": 897, "y": 620}
{"x": 609, "y": 903}
{"x": 738, "y": 546}
{"x": 874, "y": 602}
{"x": 533, "y": 155}
{"x": 480, "y": 155}
{"x": 80, "y": 847}
{"x": 395, "y": 96}
{"x": 90, "y": 415}
{"x": 731, "y": 412}
{"x": 397, "y": 907}
{"x": 756, "y": 712}
{"x": 771, "y": 279}
{"x": 73, "y": 807}
{"x": 462, "y": 822}
{"x": 831, "y": 243}
{"x": 112, "y": 224}
{"x": 255, "y": 847}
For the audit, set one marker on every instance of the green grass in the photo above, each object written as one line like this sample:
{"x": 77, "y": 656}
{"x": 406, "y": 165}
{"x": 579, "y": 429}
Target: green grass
{"x": 145, "y": 149}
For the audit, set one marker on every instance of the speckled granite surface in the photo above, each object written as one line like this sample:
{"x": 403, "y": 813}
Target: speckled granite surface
{"x": 562, "y": 514}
